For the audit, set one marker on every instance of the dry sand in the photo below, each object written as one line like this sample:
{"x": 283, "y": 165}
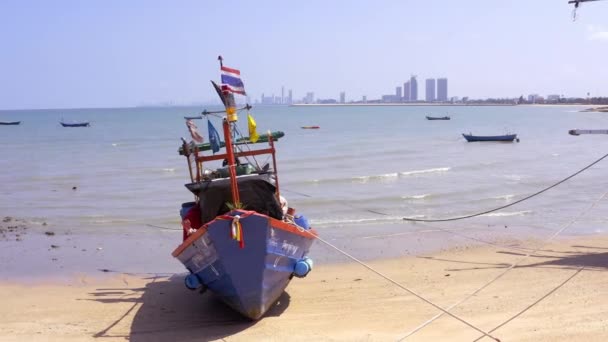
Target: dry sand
{"x": 340, "y": 302}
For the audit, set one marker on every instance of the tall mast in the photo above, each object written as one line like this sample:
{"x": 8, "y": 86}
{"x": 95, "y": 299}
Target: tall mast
{"x": 231, "y": 117}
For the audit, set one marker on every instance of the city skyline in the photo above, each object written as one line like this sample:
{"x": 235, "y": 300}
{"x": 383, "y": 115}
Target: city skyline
{"x": 110, "y": 54}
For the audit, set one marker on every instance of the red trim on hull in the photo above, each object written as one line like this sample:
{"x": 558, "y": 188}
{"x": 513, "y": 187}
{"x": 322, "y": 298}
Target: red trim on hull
{"x": 274, "y": 223}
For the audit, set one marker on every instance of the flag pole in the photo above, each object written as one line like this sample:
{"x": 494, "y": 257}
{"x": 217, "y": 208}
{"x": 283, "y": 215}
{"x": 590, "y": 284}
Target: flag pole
{"x": 230, "y": 112}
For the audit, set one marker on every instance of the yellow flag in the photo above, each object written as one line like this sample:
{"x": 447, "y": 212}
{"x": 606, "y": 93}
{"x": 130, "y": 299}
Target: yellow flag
{"x": 253, "y": 134}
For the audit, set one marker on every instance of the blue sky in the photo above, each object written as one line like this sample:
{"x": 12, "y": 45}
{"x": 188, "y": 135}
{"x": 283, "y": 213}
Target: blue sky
{"x": 66, "y": 54}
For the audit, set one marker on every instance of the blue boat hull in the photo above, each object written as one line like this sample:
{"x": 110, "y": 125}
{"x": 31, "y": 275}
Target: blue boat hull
{"x": 9, "y": 123}
{"x": 82, "y": 124}
{"x": 249, "y": 279}
{"x": 472, "y": 138}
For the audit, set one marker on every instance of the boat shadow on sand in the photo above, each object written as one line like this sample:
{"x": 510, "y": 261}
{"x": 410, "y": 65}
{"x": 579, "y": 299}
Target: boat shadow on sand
{"x": 592, "y": 258}
{"x": 164, "y": 310}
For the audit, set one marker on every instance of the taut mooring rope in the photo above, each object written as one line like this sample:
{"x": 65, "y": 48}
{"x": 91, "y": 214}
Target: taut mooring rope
{"x": 510, "y": 204}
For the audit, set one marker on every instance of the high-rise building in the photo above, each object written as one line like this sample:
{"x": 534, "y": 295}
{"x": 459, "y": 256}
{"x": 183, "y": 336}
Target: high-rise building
{"x": 442, "y": 89}
{"x": 406, "y": 92}
{"x": 310, "y": 97}
{"x": 430, "y": 90}
{"x": 398, "y": 94}
{"x": 413, "y": 89}
{"x": 342, "y": 97}
{"x": 282, "y": 95}
{"x": 290, "y": 97}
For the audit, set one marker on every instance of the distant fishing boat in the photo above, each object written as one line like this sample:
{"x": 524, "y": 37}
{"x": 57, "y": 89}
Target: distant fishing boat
{"x": 506, "y": 137}
{"x": 437, "y": 117}
{"x": 10, "y": 123}
{"x": 193, "y": 117}
{"x": 240, "y": 239}
{"x": 76, "y": 124}
{"x": 310, "y": 127}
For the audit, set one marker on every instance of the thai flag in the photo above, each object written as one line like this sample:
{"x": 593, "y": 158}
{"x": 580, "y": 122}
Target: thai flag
{"x": 231, "y": 81}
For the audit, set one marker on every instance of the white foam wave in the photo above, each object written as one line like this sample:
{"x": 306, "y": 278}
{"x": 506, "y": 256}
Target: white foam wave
{"x": 513, "y": 177}
{"x": 364, "y": 179}
{"x": 169, "y": 170}
{"x": 423, "y": 196}
{"x": 354, "y": 221}
{"x": 514, "y": 213}
{"x": 504, "y": 197}
{"x": 418, "y": 172}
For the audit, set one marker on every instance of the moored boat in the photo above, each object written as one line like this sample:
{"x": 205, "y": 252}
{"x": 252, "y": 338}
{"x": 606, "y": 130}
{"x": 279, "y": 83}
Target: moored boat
{"x": 437, "y": 117}
{"x": 310, "y": 127}
{"x": 240, "y": 239}
{"x": 505, "y": 138}
{"x": 76, "y": 124}
{"x": 9, "y": 123}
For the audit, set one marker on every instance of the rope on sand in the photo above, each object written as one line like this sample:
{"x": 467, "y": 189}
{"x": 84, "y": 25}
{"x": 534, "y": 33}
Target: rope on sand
{"x": 535, "y": 302}
{"x": 541, "y": 246}
{"x": 444, "y": 311}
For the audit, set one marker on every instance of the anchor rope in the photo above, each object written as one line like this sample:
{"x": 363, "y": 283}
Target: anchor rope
{"x": 446, "y": 311}
{"x": 403, "y": 287}
{"x": 510, "y": 204}
{"x": 513, "y": 265}
{"x": 579, "y": 270}
{"x": 411, "y": 219}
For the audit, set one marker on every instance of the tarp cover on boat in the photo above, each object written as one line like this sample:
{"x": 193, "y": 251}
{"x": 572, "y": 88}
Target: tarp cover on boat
{"x": 256, "y": 193}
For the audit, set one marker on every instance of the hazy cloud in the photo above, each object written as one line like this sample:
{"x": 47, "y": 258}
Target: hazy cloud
{"x": 597, "y": 33}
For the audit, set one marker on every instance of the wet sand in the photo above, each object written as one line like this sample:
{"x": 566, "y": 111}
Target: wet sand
{"x": 337, "y": 302}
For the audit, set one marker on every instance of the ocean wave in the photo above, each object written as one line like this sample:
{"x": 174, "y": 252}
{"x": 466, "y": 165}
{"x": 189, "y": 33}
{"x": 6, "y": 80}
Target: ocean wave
{"x": 504, "y": 197}
{"x": 418, "y": 172}
{"x": 386, "y": 176}
{"x": 514, "y": 213}
{"x": 102, "y": 219}
{"x": 415, "y": 197}
{"x": 169, "y": 170}
{"x": 348, "y": 221}
{"x": 513, "y": 177}
{"x": 379, "y": 177}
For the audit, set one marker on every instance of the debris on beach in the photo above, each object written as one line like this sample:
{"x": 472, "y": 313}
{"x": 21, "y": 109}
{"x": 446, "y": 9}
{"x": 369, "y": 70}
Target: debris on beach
{"x": 54, "y": 246}
{"x": 14, "y": 231}
{"x": 49, "y": 233}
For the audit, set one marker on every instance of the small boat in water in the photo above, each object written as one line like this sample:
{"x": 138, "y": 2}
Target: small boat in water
{"x": 193, "y": 117}
{"x": 437, "y": 117}
{"x": 10, "y": 123}
{"x": 241, "y": 241}
{"x": 506, "y": 138}
{"x": 76, "y": 124}
{"x": 310, "y": 127}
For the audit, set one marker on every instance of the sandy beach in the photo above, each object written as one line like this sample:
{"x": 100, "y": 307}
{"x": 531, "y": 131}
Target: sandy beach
{"x": 339, "y": 302}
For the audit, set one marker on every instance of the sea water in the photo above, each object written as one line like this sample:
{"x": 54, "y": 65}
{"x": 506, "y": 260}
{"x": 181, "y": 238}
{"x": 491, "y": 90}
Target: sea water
{"x": 365, "y": 168}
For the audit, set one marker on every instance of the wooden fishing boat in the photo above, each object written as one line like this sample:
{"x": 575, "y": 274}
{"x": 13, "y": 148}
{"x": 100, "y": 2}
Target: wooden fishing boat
{"x": 504, "y": 138}
{"x": 240, "y": 239}
{"x": 9, "y": 123}
{"x": 76, "y": 124}
{"x": 310, "y": 127}
{"x": 437, "y": 117}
